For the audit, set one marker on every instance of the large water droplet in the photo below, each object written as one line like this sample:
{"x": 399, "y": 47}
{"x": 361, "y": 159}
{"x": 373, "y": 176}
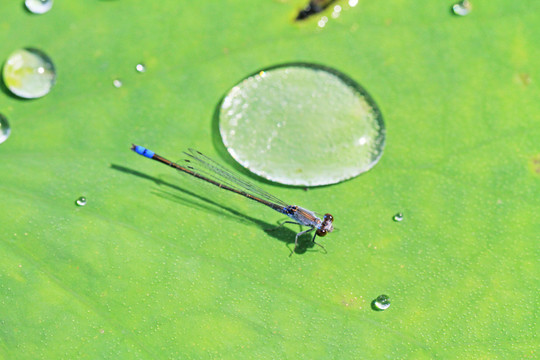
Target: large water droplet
{"x": 462, "y": 8}
{"x": 81, "y": 201}
{"x": 5, "y": 130}
{"x": 382, "y": 302}
{"x": 302, "y": 124}
{"x": 29, "y": 73}
{"x": 38, "y": 6}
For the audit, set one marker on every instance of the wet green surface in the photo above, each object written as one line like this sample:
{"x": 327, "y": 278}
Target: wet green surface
{"x": 147, "y": 269}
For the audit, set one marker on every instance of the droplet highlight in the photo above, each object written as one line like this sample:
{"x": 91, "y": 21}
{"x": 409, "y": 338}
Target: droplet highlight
{"x": 336, "y": 12}
{"x": 302, "y": 124}
{"x": 381, "y": 303}
{"x": 140, "y": 68}
{"x": 38, "y": 6}
{"x": 462, "y": 8}
{"x": 117, "y": 83}
{"x": 398, "y": 217}
{"x": 29, "y": 73}
{"x": 5, "y": 129}
{"x": 81, "y": 201}
{"x": 322, "y": 22}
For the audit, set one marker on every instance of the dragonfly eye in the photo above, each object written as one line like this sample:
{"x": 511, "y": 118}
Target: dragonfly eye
{"x": 328, "y": 217}
{"x": 321, "y": 232}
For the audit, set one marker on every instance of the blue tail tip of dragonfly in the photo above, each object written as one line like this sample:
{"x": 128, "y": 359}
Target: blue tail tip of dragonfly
{"x": 141, "y": 150}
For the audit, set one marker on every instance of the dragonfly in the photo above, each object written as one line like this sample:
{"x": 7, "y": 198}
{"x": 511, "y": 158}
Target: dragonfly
{"x": 204, "y": 168}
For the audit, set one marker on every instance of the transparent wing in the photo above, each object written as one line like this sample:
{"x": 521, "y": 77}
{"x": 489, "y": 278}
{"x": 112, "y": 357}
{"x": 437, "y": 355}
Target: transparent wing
{"x": 202, "y": 164}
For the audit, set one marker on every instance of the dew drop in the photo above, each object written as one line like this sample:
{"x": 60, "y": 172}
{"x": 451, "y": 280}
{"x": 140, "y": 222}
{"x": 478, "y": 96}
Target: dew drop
{"x": 398, "y": 217}
{"x": 5, "y": 130}
{"x": 117, "y": 83}
{"x": 382, "y": 302}
{"x": 29, "y": 73}
{"x": 322, "y": 22}
{"x": 140, "y": 68}
{"x": 81, "y": 201}
{"x": 336, "y": 12}
{"x": 462, "y": 8}
{"x": 38, "y": 6}
{"x": 302, "y": 124}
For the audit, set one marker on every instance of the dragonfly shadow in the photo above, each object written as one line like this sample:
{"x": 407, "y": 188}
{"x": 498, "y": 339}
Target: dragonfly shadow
{"x": 195, "y": 200}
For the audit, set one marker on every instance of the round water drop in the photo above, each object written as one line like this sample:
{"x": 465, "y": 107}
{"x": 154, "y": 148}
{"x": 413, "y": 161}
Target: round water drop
{"x": 382, "y": 302}
{"x": 398, "y": 217}
{"x": 337, "y": 11}
{"x": 462, "y": 8}
{"x": 322, "y": 22}
{"x": 29, "y": 73}
{"x": 5, "y": 130}
{"x": 302, "y": 124}
{"x": 81, "y": 201}
{"x": 38, "y": 6}
{"x": 140, "y": 68}
{"x": 117, "y": 83}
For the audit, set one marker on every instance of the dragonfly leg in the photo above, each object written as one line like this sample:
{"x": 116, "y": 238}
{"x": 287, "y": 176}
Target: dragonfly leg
{"x": 313, "y": 240}
{"x": 288, "y": 222}
{"x": 300, "y": 234}
{"x": 283, "y": 223}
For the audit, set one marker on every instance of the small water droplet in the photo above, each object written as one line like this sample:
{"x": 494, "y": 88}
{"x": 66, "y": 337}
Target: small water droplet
{"x": 140, "y": 68}
{"x": 462, "y": 8}
{"x": 117, "y": 83}
{"x": 38, "y": 6}
{"x": 382, "y": 302}
{"x": 29, "y": 73}
{"x": 353, "y": 3}
{"x": 398, "y": 217}
{"x": 81, "y": 201}
{"x": 5, "y": 130}
{"x": 323, "y": 21}
{"x": 336, "y": 12}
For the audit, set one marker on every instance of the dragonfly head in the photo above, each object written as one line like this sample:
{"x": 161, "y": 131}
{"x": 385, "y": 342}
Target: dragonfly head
{"x": 326, "y": 226}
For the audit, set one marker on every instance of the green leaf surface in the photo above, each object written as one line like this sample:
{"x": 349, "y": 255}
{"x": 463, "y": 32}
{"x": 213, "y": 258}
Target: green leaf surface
{"x": 153, "y": 268}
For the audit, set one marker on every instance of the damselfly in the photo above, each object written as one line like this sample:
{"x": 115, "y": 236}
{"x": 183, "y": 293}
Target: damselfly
{"x": 204, "y": 168}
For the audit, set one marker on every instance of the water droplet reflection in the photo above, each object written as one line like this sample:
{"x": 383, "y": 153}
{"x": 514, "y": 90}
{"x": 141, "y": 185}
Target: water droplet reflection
{"x": 117, "y": 83}
{"x": 81, "y": 201}
{"x": 140, "y": 68}
{"x": 336, "y": 12}
{"x": 322, "y": 22}
{"x": 398, "y": 217}
{"x": 462, "y": 8}
{"x": 287, "y": 125}
{"x": 381, "y": 303}
{"x": 38, "y": 6}
{"x": 29, "y": 73}
{"x": 5, "y": 130}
